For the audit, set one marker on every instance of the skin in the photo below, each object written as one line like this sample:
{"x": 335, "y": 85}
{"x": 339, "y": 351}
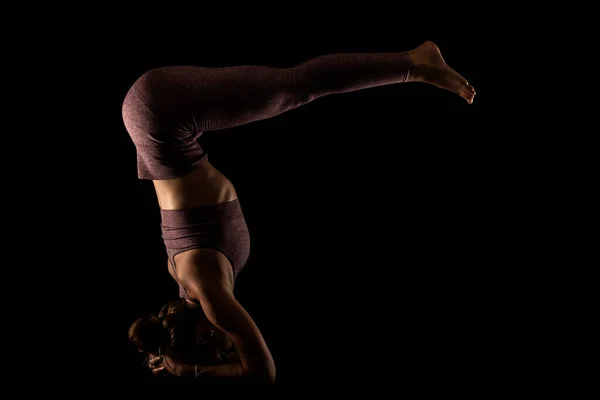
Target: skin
{"x": 207, "y": 275}
{"x": 431, "y": 68}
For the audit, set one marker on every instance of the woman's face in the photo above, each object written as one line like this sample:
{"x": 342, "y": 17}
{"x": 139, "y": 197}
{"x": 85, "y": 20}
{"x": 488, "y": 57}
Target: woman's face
{"x": 211, "y": 341}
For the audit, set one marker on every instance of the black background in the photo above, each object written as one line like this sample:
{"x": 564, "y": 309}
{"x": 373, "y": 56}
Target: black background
{"x": 379, "y": 219}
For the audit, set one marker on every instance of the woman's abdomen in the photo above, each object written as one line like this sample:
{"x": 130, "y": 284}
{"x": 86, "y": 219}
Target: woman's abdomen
{"x": 203, "y": 186}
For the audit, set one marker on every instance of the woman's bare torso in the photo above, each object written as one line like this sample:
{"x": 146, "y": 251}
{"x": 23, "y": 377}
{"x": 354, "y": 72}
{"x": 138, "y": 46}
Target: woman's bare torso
{"x": 203, "y": 186}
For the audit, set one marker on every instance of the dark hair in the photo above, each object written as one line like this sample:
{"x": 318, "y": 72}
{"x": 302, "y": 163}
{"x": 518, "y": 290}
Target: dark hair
{"x": 173, "y": 330}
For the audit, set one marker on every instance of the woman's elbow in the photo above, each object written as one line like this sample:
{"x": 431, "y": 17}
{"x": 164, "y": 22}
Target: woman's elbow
{"x": 263, "y": 375}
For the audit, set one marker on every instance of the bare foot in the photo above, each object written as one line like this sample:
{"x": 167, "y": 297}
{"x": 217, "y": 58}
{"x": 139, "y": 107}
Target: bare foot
{"x": 431, "y": 68}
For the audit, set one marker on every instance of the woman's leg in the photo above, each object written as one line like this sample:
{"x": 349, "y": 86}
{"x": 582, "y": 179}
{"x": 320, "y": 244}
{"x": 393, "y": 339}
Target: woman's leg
{"x": 168, "y": 108}
{"x": 219, "y": 98}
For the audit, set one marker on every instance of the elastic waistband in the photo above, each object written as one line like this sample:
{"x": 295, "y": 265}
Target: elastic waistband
{"x": 186, "y": 216}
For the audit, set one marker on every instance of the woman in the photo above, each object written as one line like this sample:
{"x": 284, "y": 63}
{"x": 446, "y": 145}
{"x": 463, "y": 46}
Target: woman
{"x": 206, "y": 238}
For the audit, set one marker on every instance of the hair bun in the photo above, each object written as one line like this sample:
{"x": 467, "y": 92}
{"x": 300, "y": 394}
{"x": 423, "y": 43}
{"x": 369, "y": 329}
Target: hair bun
{"x": 148, "y": 334}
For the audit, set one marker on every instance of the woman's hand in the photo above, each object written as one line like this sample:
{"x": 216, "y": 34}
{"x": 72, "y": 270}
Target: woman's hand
{"x": 155, "y": 363}
{"x": 166, "y": 365}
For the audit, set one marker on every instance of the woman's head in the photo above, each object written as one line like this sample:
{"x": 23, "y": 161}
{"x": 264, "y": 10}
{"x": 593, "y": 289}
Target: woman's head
{"x": 179, "y": 330}
{"x": 173, "y": 329}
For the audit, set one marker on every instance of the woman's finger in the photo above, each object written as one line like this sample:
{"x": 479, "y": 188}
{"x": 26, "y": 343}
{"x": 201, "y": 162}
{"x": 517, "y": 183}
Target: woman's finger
{"x": 158, "y": 370}
{"x": 154, "y": 361}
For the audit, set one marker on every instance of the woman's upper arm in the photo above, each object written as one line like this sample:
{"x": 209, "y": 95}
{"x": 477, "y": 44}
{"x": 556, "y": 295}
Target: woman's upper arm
{"x": 226, "y": 313}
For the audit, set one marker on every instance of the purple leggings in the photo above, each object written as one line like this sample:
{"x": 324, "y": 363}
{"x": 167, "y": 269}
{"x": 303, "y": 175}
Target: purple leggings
{"x": 167, "y": 109}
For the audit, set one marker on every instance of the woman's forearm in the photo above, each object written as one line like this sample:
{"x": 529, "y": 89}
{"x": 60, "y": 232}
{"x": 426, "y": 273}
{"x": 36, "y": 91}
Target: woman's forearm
{"x": 232, "y": 372}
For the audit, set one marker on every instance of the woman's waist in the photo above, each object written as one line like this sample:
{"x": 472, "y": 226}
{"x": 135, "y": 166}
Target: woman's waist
{"x": 188, "y": 198}
{"x": 197, "y": 189}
